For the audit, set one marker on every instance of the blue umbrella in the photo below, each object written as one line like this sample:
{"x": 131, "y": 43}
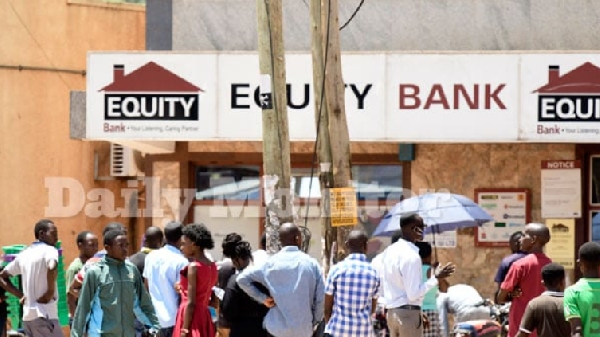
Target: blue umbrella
{"x": 441, "y": 212}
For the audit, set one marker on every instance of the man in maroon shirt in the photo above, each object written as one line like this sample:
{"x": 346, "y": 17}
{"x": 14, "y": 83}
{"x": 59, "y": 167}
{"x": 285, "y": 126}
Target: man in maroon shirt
{"x": 525, "y": 275}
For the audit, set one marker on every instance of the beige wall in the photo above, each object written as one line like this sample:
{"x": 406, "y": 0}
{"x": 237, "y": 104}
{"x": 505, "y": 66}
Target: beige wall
{"x": 461, "y": 169}
{"x": 34, "y": 107}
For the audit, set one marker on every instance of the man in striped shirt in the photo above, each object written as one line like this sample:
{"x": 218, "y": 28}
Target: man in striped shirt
{"x": 351, "y": 292}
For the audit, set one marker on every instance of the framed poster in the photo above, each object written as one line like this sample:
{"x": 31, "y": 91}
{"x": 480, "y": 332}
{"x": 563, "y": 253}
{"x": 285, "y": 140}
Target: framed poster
{"x": 511, "y": 210}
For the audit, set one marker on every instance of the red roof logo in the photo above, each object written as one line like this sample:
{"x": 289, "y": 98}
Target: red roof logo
{"x": 150, "y": 77}
{"x": 584, "y": 79}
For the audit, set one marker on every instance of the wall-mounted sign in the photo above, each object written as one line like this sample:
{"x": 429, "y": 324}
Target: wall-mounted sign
{"x": 561, "y": 247}
{"x": 510, "y": 209}
{"x": 342, "y": 207}
{"x": 561, "y": 189}
{"x": 442, "y": 240}
{"x": 491, "y": 97}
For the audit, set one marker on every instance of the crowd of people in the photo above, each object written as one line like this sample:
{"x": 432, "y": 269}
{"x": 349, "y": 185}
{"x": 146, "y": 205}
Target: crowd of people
{"x": 173, "y": 287}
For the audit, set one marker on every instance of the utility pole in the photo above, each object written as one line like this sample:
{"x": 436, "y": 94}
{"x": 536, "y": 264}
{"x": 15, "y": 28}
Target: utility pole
{"x": 334, "y": 148}
{"x": 276, "y": 144}
{"x": 322, "y": 121}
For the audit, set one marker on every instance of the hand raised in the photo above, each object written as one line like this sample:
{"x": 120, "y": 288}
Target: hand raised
{"x": 444, "y": 271}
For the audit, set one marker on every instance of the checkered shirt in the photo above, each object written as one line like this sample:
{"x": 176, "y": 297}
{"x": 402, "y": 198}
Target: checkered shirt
{"x": 353, "y": 283}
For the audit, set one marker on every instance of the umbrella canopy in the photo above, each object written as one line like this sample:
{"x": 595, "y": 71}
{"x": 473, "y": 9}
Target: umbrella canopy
{"x": 440, "y": 212}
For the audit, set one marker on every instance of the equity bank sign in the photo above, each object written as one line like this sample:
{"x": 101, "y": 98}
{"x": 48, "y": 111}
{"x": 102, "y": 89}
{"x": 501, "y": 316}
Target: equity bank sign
{"x": 435, "y": 97}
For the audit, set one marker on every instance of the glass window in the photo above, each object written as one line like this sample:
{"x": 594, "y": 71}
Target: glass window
{"x": 595, "y": 180}
{"x": 372, "y": 182}
{"x": 378, "y": 182}
{"x": 227, "y": 182}
{"x": 595, "y": 223}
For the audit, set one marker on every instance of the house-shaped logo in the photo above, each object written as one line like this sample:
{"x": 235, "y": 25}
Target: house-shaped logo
{"x": 573, "y": 97}
{"x": 150, "y": 92}
{"x": 558, "y": 228}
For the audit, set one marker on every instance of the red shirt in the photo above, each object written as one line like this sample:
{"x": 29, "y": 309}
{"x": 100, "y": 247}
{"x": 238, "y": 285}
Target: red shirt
{"x": 526, "y": 274}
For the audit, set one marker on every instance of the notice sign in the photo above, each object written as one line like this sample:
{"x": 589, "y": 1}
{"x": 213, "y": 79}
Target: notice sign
{"x": 510, "y": 210}
{"x": 561, "y": 189}
{"x": 442, "y": 240}
{"x": 342, "y": 207}
{"x": 561, "y": 248}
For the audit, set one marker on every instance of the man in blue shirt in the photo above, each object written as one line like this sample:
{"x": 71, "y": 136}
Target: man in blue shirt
{"x": 351, "y": 292}
{"x": 517, "y": 254}
{"x": 296, "y": 286}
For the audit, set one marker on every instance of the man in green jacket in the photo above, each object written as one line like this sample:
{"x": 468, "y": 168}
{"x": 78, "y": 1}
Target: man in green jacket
{"x": 111, "y": 290}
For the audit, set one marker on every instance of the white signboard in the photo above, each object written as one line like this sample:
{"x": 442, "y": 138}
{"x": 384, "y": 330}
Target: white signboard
{"x": 510, "y": 210}
{"x": 561, "y": 189}
{"x": 442, "y": 240}
{"x": 444, "y": 97}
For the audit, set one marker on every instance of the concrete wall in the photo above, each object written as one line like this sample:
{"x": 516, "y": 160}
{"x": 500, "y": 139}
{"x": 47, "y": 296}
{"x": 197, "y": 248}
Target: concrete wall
{"x": 34, "y": 107}
{"x": 398, "y": 25}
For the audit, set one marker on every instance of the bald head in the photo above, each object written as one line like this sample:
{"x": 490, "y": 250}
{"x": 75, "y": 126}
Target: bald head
{"x": 357, "y": 242}
{"x": 154, "y": 237}
{"x": 289, "y": 235}
{"x": 539, "y": 231}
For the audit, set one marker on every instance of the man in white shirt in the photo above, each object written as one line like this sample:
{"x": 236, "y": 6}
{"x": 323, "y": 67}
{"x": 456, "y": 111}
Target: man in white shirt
{"x": 403, "y": 287}
{"x": 464, "y": 302}
{"x": 37, "y": 266}
{"x": 260, "y": 256}
{"x": 161, "y": 272}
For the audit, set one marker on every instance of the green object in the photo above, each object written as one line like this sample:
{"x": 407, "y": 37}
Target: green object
{"x": 15, "y": 310}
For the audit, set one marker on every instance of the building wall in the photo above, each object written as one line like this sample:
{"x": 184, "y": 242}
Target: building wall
{"x": 396, "y": 25}
{"x": 34, "y": 108}
{"x": 461, "y": 168}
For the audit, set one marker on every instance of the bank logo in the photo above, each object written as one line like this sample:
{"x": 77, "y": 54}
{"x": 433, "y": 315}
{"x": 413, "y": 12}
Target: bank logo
{"x": 150, "y": 92}
{"x": 572, "y": 97}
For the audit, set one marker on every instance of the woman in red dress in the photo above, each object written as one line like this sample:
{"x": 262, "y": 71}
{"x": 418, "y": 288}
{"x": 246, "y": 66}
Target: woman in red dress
{"x": 197, "y": 280}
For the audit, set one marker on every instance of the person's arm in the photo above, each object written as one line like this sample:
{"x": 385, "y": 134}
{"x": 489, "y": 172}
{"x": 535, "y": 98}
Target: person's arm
{"x": 84, "y": 305}
{"x": 328, "y": 307}
{"x": 411, "y": 272}
{"x": 442, "y": 306}
{"x": 11, "y": 269}
{"x": 511, "y": 282}
{"x": 246, "y": 279}
{"x": 319, "y": 297}
{"x": 528, "y": 322}
{"x": 73, "y": 295}
{"x": 572, "y": 312}
{"x": 145, "y": 303}
{"x": 191, "y": 305}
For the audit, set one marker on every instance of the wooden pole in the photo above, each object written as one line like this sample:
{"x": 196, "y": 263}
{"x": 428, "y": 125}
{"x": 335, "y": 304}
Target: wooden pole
{"x": 336, "y": 108}
{"x": 323, "y": 144}
{"x": 276, "y": 144}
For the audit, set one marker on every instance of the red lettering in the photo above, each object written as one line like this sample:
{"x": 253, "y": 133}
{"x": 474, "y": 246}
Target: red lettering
{"x": 461, "y": 91}
{"x": 436, "y": 96}
{"x": 493, "y": 95}
{"x": 409, "y": 92}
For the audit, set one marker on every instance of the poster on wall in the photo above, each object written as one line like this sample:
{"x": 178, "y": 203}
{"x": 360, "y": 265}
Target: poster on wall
{"x": 561, "y": 248}
{"x": 561, "y": 189}
{"x": 510, "y": 209}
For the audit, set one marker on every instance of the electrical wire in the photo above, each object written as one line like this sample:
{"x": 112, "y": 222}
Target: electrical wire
{"x": 314, "y": 157}
{"x": 353, "y": 14}
{"x": 37, "y": 43}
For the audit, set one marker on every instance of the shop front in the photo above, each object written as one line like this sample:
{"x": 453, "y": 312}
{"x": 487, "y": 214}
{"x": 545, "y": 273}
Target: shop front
{"x": 418, "y": 122}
